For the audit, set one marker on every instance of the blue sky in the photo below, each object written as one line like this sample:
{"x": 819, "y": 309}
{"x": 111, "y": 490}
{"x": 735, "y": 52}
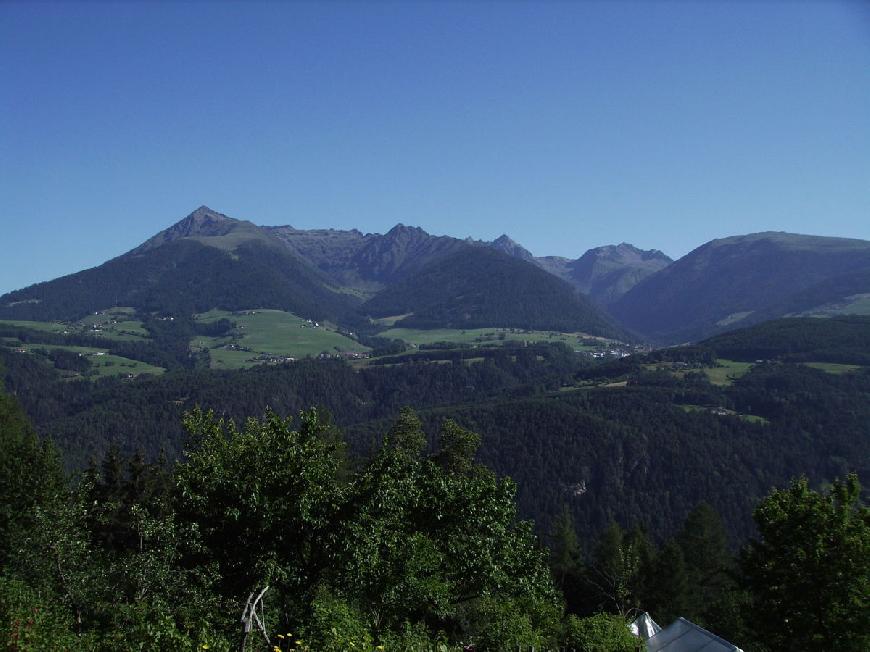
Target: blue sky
{"x": 565, "y": 125}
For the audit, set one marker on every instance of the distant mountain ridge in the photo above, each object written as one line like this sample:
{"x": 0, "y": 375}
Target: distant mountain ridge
{"x": 208, "y": 259}
{"x": 742, "y": 280}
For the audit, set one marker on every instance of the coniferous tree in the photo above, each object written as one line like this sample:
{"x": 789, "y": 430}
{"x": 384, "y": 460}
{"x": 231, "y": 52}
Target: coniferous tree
{"x": 809, "y": 570}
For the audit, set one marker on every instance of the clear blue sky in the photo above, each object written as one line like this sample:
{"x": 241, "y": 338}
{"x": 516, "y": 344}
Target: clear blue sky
{"x": 565, "y": 125}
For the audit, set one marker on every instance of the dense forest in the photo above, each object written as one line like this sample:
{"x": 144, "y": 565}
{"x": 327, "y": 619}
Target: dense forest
{"x": 463, "y": 291}
{"x": 638, "y": 441}
{"x": 269, "y": 535}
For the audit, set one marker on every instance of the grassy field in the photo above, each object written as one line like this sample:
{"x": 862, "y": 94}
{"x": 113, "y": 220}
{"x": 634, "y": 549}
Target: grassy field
{"x": 724, "y": 374}
{"x": 834, "y": 367}
{"x": 751, "y": 418}
{"x": 485, "y": 336}
{"x": 269, "y": 332}
{"x": 727, "y": 371}
{"x": 112, "y": 324}
{"x": 857, "y": 304}
{"x": 860, "y": 305}
{"x": 102, "y": 363}
{"x": 391, "y": 321}
{"x": 46, "y": 326}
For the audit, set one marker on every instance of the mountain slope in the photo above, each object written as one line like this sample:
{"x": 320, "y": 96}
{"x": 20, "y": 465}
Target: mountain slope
{"x": 606, "y": 273}
{"x": 507, "y": 246}
{"x": 206, "y": 260}
{"x": 209, "y": 228}
{"x": 370, "y": 262}
{"x": 478, "y": 287}
{"x": 739, "y": 281}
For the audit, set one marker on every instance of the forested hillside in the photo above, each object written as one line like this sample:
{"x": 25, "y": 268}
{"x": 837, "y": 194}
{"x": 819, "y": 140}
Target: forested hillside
{"x": 482, "y": 287}
{"x": 182, "y": 277}
{"x": 639, "y": 440}
{"x": 401, "y": 550}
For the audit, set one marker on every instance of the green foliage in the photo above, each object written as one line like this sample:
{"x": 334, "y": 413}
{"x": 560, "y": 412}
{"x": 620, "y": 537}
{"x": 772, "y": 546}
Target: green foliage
{"x": 615, "y": 572}
{"x": 260, "y": 497}
{"x": 30, "y": 475}
{"x": 809, "y": 571}
{"x": 709, "y": 566}
{"x": 599, "y": 633}
{"x": 505, "y": 624}
{"x": 668, "y": 585}
{"x": 335, "y": 626}
{"x": 30, "y": 622}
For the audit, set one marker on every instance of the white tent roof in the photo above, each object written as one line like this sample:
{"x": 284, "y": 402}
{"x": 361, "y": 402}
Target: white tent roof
{"x": 644, "y": 626}
{"x": 684, "y": 636}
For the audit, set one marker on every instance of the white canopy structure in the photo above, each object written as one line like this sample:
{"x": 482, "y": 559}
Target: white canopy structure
{"x": 644, "y": 627}
{"x": 685, "y": 636}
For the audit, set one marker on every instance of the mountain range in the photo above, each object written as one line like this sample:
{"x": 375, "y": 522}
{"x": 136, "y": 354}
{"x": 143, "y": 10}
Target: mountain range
{"x": 411, "y": 278}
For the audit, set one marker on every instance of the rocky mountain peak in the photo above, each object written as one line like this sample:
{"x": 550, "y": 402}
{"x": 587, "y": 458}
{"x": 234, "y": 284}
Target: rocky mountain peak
{"x": 203, "y": 221}
{"x": 508, "y": 246}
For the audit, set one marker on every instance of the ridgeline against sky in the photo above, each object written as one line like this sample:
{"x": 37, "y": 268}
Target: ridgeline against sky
{"x": 567, "y": 126}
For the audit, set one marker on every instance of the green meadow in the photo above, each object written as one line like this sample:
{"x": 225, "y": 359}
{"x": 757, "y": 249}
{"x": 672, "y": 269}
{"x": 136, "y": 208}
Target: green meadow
{"x": 834, "y": 367}
{"x": 112, "y": 324}
{"x": 46, "y": 326}
{"x": 485, "y": 336}
{"x": 269, "y": 332}
{"x": 727, "y": 371}
{"x": 102, "y": 363}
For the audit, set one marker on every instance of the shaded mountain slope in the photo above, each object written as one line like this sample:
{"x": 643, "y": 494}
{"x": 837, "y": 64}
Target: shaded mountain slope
{"x": 180, "y": 271}
{"x": 841, "y": 339}
{"x": 737, "y": 281}
{"x": 478, "y": 287}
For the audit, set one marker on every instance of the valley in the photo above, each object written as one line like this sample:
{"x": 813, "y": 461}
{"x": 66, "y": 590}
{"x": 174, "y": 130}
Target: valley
{"x": 567, "y": 370}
